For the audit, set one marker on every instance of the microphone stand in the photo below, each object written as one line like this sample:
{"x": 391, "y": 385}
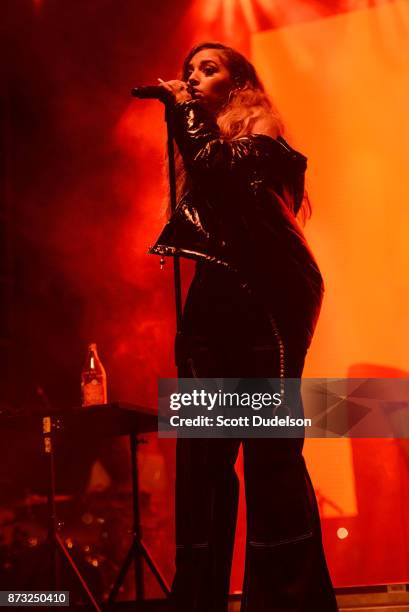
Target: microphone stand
{"x": 138, "y": 549}
{"x": 158, "y": 93}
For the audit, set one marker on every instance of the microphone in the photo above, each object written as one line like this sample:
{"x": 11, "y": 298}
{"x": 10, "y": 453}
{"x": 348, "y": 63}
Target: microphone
{"x": 152, "y": 92}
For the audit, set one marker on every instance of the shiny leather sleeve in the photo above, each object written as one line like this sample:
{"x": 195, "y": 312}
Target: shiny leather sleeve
{"x": 204, "y": 150}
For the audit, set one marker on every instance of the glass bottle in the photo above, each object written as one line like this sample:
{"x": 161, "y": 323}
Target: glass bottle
{"x": 93, "y": 379}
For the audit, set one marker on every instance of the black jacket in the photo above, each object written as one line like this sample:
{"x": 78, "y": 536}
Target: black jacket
{"x": 236, "y": 216}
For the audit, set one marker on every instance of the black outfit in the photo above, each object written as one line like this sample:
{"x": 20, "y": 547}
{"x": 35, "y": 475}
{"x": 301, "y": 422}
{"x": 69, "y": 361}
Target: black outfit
{"x": 250, "y": 312}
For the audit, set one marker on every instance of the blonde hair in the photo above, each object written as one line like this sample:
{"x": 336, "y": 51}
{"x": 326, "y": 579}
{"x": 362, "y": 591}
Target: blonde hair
{"x": 248, "y": 110}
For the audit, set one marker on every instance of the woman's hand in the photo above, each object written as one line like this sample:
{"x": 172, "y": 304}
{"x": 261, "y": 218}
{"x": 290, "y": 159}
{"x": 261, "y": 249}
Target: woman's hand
{"x": 178, "y": 89}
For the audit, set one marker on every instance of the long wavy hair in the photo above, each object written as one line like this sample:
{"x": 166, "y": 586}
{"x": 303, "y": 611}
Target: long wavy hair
{"x": 246, "y": 106}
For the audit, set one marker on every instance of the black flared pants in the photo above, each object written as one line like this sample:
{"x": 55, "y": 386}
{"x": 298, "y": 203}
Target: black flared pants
{"x": 285, "y": 568}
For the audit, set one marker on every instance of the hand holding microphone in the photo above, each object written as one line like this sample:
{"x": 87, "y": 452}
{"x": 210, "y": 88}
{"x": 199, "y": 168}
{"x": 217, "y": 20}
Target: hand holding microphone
{"x": 166, "y": 91}
{"x": 178, "y": 89}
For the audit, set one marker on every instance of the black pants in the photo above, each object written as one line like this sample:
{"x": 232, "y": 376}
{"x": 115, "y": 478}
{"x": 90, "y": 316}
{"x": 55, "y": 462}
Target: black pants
{"x": 225, "y": 335}
{"x": 285, "y": 564}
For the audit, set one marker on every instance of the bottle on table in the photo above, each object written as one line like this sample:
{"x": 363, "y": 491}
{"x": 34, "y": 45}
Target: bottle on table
{"x": 93, "y": 379}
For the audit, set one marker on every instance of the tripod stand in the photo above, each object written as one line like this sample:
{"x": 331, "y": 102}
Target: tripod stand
{"x": 138, "y": 550}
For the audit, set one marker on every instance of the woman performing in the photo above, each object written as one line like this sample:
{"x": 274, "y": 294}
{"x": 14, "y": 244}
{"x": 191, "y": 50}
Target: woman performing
{"x": 250, "y": 313}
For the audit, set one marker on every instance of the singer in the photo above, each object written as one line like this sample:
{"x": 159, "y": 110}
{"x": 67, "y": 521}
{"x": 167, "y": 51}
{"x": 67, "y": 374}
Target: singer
{"x": 250, "y": 312}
